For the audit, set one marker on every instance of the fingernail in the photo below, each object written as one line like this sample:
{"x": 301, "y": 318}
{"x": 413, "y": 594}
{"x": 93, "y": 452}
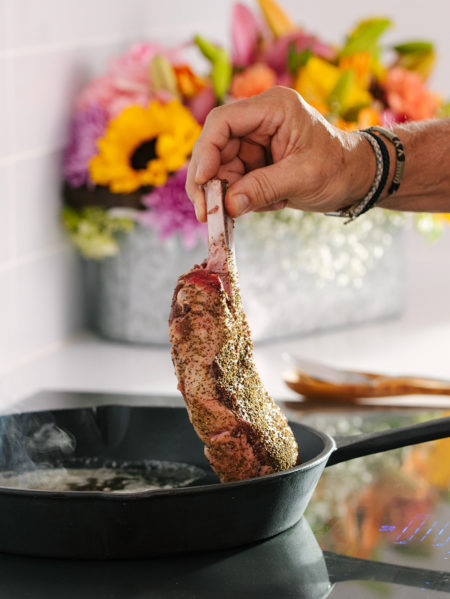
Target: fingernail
{"x": 196, "y": 211}
{"x": 198, "y": 173}
{"x": 241, "y": 204}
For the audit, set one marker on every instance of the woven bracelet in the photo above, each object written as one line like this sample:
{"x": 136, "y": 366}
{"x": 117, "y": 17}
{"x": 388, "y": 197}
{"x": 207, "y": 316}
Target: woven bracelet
{"x": 399, "y": 153}
{"x": 351, "y": 212}
{"x": 385, "y": 174}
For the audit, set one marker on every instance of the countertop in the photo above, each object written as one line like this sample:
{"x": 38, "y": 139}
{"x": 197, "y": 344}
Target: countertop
{"x": 416, "y": 343}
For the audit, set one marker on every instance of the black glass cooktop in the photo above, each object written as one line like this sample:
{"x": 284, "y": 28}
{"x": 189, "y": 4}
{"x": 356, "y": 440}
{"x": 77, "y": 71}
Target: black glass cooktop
{"x": 376, "y": 527}
{"x": 387, "y": 509}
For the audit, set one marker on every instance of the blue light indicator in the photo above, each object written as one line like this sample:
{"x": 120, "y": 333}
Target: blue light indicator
{"x": 387, "y": 528}
{"x": 428, "y": 531}
{"x": 442, "y": 530}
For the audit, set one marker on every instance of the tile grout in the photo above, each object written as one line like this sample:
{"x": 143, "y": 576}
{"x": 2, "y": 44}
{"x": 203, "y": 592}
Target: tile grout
{"x": 40, "y": 353}
{"x": 33, "y": 256}
{"x": 150, "y": 36}
{"x": 69, "y": 45}
{"x": 30, "y": 154}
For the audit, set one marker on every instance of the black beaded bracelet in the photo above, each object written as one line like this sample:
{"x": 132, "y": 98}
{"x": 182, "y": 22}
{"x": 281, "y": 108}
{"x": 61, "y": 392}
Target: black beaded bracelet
{"x": 399, "y": 153}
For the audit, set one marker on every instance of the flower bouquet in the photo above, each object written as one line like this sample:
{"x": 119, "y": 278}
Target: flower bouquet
{"x": 125, "y": 166}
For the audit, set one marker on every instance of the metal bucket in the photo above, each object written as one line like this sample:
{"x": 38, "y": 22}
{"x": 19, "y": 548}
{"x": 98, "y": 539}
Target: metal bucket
{"x": 296, "y": 278}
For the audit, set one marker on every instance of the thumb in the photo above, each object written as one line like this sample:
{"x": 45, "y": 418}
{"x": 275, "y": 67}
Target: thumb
{"x": 257, "y": 189}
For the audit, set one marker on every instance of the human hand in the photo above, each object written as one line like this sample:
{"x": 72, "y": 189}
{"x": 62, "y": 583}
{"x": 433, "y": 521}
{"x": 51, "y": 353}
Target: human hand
{"x": 275, "y": 150}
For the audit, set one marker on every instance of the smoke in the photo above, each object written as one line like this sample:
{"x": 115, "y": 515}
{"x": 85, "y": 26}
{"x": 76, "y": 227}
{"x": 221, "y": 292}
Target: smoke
{"x": 27, "y": 442}
{"x": 49, "y": 438}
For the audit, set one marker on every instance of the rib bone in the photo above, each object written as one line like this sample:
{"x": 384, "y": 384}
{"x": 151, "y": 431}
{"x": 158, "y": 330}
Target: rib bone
{"x": 220, "y": 234}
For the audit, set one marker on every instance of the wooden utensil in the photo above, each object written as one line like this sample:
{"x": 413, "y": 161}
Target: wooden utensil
{"x": 319, "y": 381}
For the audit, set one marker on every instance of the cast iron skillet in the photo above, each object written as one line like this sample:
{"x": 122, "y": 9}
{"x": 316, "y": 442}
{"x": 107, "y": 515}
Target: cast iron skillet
{"x": 208, "y": 516}
{"x": 286, "y": 566}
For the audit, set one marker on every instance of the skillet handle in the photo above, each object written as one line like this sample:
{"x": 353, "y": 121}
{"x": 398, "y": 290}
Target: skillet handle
{"x": 343, "y": 567}
{"x": 357, "y": 446}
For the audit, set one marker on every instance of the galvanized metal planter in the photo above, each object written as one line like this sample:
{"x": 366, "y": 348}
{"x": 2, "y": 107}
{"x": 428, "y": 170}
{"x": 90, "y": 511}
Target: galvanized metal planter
{"x": 297, "y": 276}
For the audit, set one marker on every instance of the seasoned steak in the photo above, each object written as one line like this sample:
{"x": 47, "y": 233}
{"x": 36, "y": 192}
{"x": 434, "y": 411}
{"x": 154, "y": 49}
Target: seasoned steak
{"x": 244, "y": 431}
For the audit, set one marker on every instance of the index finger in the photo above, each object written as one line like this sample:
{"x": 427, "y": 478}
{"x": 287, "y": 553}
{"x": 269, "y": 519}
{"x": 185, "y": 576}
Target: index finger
{"x": 223, "y": 123}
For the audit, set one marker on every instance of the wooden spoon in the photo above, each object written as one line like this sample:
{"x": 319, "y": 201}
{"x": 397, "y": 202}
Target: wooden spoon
{"x": 320, "y": 381}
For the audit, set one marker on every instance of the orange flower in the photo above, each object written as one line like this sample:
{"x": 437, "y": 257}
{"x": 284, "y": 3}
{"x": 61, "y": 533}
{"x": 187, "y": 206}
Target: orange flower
{"x": 407, "y": 94}
{"x": 431, "y": 460}
{"x": 361, "y": 64}
{"x": 367, "y": 117}
{"x": 252, "y": 81}
{"x": 346, "y": 125}
{"x": 188, "y": 82}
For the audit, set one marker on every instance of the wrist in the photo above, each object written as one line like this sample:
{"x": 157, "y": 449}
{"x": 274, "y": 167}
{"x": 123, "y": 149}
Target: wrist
{"x": 359, "y": 165}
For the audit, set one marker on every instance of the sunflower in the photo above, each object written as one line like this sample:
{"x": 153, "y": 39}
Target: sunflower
{"x": 142, "y": 146}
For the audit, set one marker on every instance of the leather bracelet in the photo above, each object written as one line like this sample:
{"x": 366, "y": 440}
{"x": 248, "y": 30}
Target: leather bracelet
{"x": 351, "y": 212}
{"x": 385, "y": 174}
{"x": 399, "y": 153}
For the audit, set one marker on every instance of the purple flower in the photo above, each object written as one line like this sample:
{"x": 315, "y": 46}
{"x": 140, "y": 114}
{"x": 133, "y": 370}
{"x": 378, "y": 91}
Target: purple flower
{"x": 87, "y": 126}
{"x": 170, "y": 211}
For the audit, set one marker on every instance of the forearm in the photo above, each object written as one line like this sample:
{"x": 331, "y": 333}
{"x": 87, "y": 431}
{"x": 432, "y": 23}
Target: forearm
{"x": 426, "y": 180}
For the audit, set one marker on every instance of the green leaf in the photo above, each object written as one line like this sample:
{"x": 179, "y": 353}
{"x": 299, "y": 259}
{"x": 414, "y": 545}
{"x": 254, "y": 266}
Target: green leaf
{"x": 94, "y": 232}
{"x": 444, "y": 111}
{"x": 162, "y": 75}
{"x": 209, "y": 50}
{"x": 418, "y": 47}
{"x": 339, "y": 93}
{"x": 222, "y": 69}
{"x": 297, "y": 59}
{"x": 221, "y": 74}
{"x": 365, "y": 36}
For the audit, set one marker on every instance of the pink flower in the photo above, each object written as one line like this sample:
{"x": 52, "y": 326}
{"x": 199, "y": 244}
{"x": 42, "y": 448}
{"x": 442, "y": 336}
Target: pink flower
{"x": 127, "y": 81}
{"x": 276, "y": 54}
{"x": 202, "y": 103}
{"x": 105, "y": 93}
{"x": 390, "y": 118}
{"x": 131, "y": 72}
{"x": 170, "y": 212}
{"x": 407, "y": 95}
{"x": 246, "y": 30}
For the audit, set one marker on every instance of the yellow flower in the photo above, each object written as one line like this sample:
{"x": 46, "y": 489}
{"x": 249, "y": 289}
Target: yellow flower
{"x": 142, "y": 146}
{"x": 315, "y": 82}
{"x": 318, "y": 79}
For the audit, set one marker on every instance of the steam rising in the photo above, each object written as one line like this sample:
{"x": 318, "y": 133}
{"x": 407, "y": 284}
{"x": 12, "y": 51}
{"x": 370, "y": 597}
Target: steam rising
{"x": 26, "y": 442}
{"x": 50, "y": 438}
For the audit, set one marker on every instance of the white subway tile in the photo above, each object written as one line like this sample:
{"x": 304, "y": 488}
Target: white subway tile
{"x": 5, "y": 106}
{"x": 173, "y": 13}
{"x": 48, "y": 300}
{"x": 5, "y": 215}
{"x": 37, "y": 203}
{"x": 9, "y": 346}
{"x": 3, "y": 25}
{"x": 45, "y": 86}
{"x": 45, "y": 22}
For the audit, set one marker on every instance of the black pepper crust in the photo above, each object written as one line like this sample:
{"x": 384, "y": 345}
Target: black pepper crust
{"x": 244, "y": 430}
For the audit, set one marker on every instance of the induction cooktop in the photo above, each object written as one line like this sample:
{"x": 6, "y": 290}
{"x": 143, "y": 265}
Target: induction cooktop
{"x": 376, "y": 527}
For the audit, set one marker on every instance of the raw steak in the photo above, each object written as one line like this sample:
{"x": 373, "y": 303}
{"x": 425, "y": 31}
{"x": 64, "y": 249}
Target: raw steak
{"x": 244, "y": 431}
